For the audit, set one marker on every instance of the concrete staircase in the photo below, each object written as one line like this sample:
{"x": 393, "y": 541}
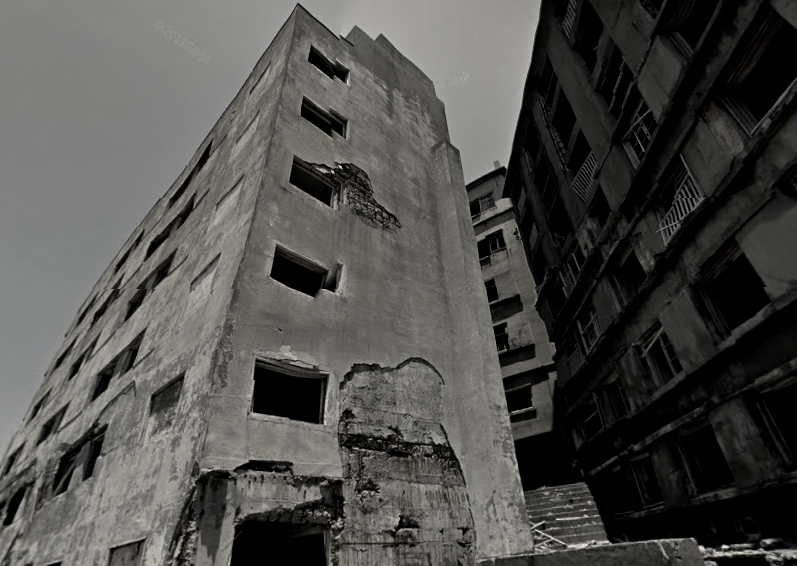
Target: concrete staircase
{"x": 569, "y": 512}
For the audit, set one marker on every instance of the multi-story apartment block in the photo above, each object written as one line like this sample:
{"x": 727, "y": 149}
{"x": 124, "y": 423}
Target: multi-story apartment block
{"x": 290, "y": 358}
{"x": 521, "y": 339}
{"x": 655, "y": 160}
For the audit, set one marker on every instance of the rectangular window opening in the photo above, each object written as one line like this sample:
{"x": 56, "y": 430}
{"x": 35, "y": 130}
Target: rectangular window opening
{"x": 492, "y": 244}
{"x": 564, "y": 120}
{"x": 734, "y": 295}
{"x": 94, "y": 452}
{"x": 287, "y": 543}
{"x": 51, "y": 426}
{"x": 330, "y": 69}
{"x": 763, "y": 74}
{"x": 13, "y": 506}
{"x": 648, "y": 492}
{"x": 327, "y": 122}
{"x": 306, "y": 178}
{"x": 681, "y": 195}
{"x": 591, "y": 30}
{"x": 628, "y": 279}
{"x": 660, "y": 358}
{"x": 289, "y": 393}
{"x": 63, "y": 474}
{"x": 705, "y": 462}
{"x": 640, "y": 133}
{"x": 589, "y": 328}
{"x": 481, "y": 205}
{"x": 12, "y": 459}
{"x": 297, "y": 273}
{"x": 261, "y": 78}
{"x": 778, "y": 408}
{"x": 548, "y": 82}
{"x": 616, "y": 81}
{"x": 501, "y": 337}
{"x": 163, "y": 404}
{"x": 519, "y": 399}
{"x": 103, "y": 381}
{"x": 492, "y": 290}
{"x": 592, "y": 417}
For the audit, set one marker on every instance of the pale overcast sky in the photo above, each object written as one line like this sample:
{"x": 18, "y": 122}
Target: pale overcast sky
{"x": 99, "y": 113}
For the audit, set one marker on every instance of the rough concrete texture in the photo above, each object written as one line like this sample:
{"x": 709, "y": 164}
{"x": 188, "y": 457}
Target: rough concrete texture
{"x": 665, "y": 552}
{"x": 440, "y": 486}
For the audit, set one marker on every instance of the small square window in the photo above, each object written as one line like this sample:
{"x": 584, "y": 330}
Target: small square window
{"x": 163, "y": 405}
{"x": 13, "y": 506}
{"x": 705, "y": 462}
{"x": 660, "y": 358}
{"x": 289, "y": 393}
{"x": 51, "y": 426}
{"x": 64, "y": 473}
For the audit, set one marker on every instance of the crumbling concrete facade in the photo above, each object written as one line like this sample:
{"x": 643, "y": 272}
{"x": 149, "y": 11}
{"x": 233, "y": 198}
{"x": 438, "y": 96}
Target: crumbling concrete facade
{"x": 656, "y": 150}
{"x": 291, "y": 354}
{"x": 520, "y": 336}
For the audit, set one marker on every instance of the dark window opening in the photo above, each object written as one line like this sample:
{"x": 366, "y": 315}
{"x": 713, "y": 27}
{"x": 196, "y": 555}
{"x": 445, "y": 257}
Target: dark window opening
{"x": 628, "y": 279}
{"x": 616, "y": 82}
{"x": 122, "y": 261}
{"x": 592, "y": 417}
{"x": 690, "y": 22}
{"x": 303, "y": 177}
{"x": 615, "y": 492}
{"x": 296, "y": 273}
{"x": 85, "y": 311}
{"x": 51, "y": 426}
{"x": 660, "y": 359}
{"x": 64, "y": 473}
{"x": 617, "y": 399}
{"x": 546, "y": 184}
{"x": 327, "y": 122}
{"x": 519, "y": 399}
{"x": 127, "y": 555}
{"x": 640, "y": 133}
{"x": 705, "y": 462}
{"x": 73, "y": 371}
{"x": 490, "y": 245}
{"x": 288, "y": 393}
{"x": 481, "y": 205}
{"x": 559, "y": 224}
{"x": 548, "y": 82}
{"x": 538, "y": 266}
{"x": 184, "y": 186}
{"x": 581, "y": 151}
{"x": 733, "y": 296}
{"x": 564, "y": 120}
{"x": 532, "y": 144}
{"x": 170, "y": 230}
{"x": 330, "y": 69}
{"x": 94, "y": 452}
{"x": 12, "y": 459}
{"x": 501, "y": 337}
{"x": 285, "y": 543}
{"x": 103, "y": 308}
{"x": 148, "y": 285}
{"x": 135, "y": 302}
{"x": 647, "y": 492}
{"x": 13, "y": 506}
{"x": 103, "y": 381}
{"x": 39, "y": 405}
{"x": 60, "y": 359}
{"x": 120, "y": 365}
{"x": 653, "y": 6}
{"x": 778, "y": 407}
{"x": 599, "y": 211}
{"x": 163, "y": 405}
{"x": 492, "y": 290}
{"x": 591, "y": 29}
{"x": 765, "y": 71}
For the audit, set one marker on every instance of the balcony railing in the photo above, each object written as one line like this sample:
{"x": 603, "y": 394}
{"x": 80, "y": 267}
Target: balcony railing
{"x": 687, "y": 197}
{"x": 582, "y": 183}
{"x": 570, "y": 18}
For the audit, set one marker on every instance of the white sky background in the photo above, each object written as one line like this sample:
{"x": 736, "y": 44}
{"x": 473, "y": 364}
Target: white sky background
{"x": 99, "y": 113}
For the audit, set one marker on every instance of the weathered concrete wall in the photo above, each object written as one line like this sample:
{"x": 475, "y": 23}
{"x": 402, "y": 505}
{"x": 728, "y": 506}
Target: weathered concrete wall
{"x": 400, "y": 297}
{"x": 675, "y": 552}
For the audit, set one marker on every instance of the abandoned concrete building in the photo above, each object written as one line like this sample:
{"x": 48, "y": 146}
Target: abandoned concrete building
{"x": 653, "y": 173}
{"x": 291, "y": 354}
{"x": 521, "y": 339}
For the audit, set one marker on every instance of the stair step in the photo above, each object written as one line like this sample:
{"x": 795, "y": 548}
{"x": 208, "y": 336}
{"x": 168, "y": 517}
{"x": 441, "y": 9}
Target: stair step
{"x": 586, "y": 530}
{"x": 565, "y": 504}
{"x": 555, "y": 523}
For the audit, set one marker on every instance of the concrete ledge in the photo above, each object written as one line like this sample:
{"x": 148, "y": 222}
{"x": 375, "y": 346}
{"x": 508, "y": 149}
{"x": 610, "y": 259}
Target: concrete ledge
{"x": 666, "y": 552}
